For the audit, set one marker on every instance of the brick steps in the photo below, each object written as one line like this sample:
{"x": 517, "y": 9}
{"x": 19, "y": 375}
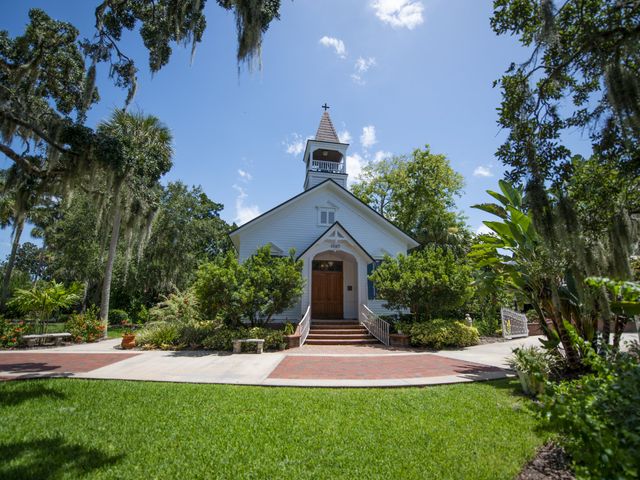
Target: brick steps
{"x": 339, "y": 332}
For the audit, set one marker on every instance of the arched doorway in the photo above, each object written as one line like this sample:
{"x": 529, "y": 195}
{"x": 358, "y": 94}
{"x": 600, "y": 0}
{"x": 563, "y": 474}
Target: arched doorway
{"x": 334, "y": 289}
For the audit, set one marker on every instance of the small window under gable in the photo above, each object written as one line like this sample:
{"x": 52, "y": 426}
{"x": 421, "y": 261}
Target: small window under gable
{"x": 326, "y": 216}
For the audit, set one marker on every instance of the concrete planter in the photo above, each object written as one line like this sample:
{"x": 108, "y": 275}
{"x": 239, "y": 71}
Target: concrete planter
{"x": 399, "y": 340}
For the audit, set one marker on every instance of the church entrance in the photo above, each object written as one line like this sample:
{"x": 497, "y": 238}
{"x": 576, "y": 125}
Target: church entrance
{"x": 327, "y": 289}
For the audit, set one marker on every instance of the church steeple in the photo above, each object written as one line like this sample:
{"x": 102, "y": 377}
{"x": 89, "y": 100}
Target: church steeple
{"x": 325, "y": 157}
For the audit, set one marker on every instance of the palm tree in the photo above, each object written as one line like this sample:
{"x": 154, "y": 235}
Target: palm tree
{"x": 145, "y": 155}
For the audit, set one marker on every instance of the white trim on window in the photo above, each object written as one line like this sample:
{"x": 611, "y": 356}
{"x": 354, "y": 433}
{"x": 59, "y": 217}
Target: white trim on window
{"x": 326, "y": 216}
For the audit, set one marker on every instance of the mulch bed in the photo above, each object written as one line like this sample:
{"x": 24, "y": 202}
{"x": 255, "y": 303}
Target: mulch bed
{"x": 550, "y": 463}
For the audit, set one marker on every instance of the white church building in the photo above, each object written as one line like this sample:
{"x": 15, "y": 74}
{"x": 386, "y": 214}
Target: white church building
{"x": 338, "y": 237}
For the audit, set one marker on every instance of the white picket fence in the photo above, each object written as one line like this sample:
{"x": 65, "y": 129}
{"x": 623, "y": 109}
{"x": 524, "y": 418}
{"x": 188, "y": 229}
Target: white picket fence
{"x": 514, "y": 324}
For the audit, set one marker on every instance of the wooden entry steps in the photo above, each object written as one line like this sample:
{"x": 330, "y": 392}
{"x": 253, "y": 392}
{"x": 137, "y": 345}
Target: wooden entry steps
{"x": 339, "y": 332}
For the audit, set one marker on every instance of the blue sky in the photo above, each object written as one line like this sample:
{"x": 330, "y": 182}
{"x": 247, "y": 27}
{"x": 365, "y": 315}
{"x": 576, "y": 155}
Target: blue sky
{"x": 398, "y": 74}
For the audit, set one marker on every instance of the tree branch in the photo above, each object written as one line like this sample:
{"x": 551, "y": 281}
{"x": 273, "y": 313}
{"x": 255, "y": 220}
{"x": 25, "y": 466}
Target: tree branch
{"x": 19, "y": 159}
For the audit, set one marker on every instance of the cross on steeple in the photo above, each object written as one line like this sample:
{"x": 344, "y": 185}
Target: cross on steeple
{"x": 325, "y": 106}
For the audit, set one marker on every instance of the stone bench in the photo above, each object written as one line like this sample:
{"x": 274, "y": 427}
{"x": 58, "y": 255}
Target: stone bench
{"x": 33, "y": 340}
{"x": 237, "y": 344}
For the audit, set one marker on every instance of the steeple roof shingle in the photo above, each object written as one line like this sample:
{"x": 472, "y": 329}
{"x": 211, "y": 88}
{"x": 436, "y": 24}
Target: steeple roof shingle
{"x": 326, "y": 132}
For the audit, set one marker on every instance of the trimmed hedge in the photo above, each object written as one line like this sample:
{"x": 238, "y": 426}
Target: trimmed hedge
{"x": 439, "y": 334}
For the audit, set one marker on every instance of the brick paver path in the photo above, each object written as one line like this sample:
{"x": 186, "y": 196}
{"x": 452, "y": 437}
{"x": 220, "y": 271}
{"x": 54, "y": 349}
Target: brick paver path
{"x": 373, "y": 368}
{"x": 34, "y": 363}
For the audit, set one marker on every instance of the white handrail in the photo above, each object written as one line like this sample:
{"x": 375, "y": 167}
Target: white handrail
{"x": 305, "y": 325}
{"x": 376, "y": 326}
{"x": 327, "y": 166}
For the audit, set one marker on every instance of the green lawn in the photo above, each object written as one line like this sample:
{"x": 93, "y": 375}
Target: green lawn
{"x": 69, "y": 428}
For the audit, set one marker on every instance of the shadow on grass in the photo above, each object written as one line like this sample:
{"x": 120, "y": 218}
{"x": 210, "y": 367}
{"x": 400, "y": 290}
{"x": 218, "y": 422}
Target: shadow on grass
{"x": 28, "y": 391}
{"x": 49, "y": 458}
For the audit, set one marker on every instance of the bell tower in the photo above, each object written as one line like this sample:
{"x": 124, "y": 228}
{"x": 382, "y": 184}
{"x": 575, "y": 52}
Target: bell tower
{"x": 325, "y": 157}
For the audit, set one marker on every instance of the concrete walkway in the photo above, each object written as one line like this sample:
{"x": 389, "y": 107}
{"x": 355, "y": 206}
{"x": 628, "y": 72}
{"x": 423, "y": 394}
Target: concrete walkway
{"x": 316, "y": 366}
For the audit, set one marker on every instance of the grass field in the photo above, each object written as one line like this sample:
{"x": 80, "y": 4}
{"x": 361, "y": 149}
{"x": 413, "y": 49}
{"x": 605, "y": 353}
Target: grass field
{"x": 69, "y": 428}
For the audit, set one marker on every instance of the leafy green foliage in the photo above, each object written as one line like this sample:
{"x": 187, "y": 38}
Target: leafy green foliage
{"x": 439, "y": 334}
{"x": 118, "y": 317}
{"x": 256, "y": 290}
{"x": 85, "y": 326}
{"x": 45, "y": 299}
{"x": 179, "y": 307}
{"x": 165, "y": 335}
{"x": 417, "y": 192}
{"x": 533, "y": 366}
{"x": 581, "y": 73}
{"x": 430, "y": 282}
{"x": 597, "y": 416}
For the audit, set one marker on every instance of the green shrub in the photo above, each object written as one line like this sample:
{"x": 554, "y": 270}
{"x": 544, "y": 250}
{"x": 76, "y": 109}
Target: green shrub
{"x": 11, "y": 333}
{"x": 165, "y": 335}
{"x": 222, "y": 339}
{"x": 177, "y": 307}
{"x": 440, "y": 334}
{"x": 85, "y": 327}
{"x": 193, "y": 334}
{"x": 598, "y": 418}
{"x": 488, "y": 326}
{"x": 118, "y": 317}
{"x": 289, "y": 329}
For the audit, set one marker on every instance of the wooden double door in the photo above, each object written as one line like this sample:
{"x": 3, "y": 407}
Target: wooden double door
{"x": 327, "y": 289}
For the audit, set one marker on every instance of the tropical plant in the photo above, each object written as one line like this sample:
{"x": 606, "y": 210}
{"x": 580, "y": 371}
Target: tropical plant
{"x": 179, "y": 307}
{"x": 547, "y": 261}
{"x": 145, "y": 156}
{"x": 85, "y": 326}
{"x": 533, "y": 366}
{"x": 44, "y": 299}
{"x": 431, "y": 282}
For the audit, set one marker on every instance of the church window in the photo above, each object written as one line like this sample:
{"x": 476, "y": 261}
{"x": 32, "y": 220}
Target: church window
{"x": 327, "y": 216}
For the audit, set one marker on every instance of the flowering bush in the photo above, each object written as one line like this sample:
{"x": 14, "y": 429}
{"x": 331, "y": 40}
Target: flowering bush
{"x": 85, "y": 327}
{"x": 11, "y": 333}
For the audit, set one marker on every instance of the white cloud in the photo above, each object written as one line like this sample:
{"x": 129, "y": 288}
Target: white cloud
{"x": 355, "y": 163}
{"x": 294, "y": 145}
{"x": 368, "y": 137}
{"x": 364, "y": 64}
{"x": 399, "y": 13}
{"x": 244, "y": 175}
{"x": 345, "y": 136}
{"x": 381, "y": 155}
{"x": 361, "y": 67}
{"x": 481, "y": 171}
{"x": 336, "y": 43}
{"x": 244, "y": 212}
{"x": 483, "y": 229}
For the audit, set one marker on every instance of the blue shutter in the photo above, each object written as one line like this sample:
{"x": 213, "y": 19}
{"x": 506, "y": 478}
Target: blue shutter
{"x": 370, "y": 286}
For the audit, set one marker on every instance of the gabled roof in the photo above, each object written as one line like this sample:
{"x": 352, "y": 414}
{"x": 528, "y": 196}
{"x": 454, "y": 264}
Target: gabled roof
{"x": 347, "y": 194}
{"x": 326, "y": 132}
{"x": 346, "y": 233}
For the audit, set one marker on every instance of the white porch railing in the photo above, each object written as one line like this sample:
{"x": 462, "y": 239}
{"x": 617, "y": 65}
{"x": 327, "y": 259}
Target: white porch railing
{"x": 305, "y": 325}
{"x": 376, "y": 326}
{"x": 514, "y": 324}
{"x": 326, "y": 166}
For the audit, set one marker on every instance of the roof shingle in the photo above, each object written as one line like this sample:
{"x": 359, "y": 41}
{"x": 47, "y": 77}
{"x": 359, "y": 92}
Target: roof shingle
{"x": 326, "y": 132}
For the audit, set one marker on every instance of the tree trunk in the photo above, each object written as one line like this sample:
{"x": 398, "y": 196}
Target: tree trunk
{"x": 17, "y": 233}
{"x": 111, "y": 257}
